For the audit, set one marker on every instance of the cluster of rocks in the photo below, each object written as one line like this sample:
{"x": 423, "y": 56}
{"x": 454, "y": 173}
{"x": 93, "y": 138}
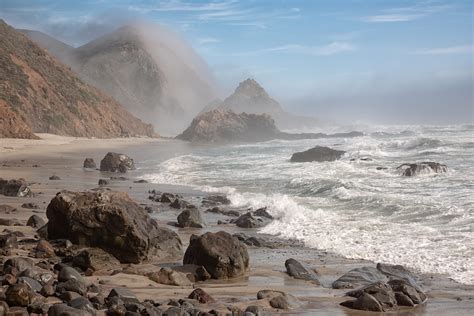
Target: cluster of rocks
{"x": 14, "y": 187}
{"x": 112, "y": 162}
{"x": 426, "y": 167}
{"x": 384, "y": 288}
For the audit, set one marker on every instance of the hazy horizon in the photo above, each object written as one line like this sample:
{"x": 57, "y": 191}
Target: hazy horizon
{"x": 401, "y": 62}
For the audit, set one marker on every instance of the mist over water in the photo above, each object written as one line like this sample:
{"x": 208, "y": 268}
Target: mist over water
{"x": 349, "y": 207}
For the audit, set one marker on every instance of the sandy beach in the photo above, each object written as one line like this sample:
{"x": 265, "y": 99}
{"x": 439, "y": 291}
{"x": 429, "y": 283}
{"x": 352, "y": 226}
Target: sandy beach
{"x": 37, "y": 160}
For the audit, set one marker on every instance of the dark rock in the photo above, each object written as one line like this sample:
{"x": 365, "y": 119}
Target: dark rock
{"x": 140, "y": 181}
{"x": 125, "y": 295}
{"x": 65, "y": 310}
{"x": 44, "y": 249}
{"x": 403, "y": 299}
{"x": 8, "y": 241}
{"x": 179, "y": 204}
{"x": 9, "y": 279}
{"x": 95, "y": 259}
{"x": 201, "y": 296}
{"x": 218, "y": 210}
{"x": 299, "y": 271}
{"x": 14, "y": 187}
{"x": 400, "y": 285}
{"x": 318, "y": 154}
{"x": 114, "y": 162}
{"x": 367, "y": 302}
{"x": 262, "y": 212}
{"x": 381, "y": 291}
{"x": 32, "y": 206}
{"x": 190, "y": 218}
{"x": 43, "y": 231}
{"x": 398, "y": 272}
{"x": 247, "y": 220}
{"x": 174, "y": 311}
{"x": 18, "y": 295}
{"x": 215, "y": 200}
{"x": 223, "y": 255}
{"x": 359, "y": 277}
{"x": 167, "y": 198}
{"x": 72, "y": 285}
{"x": 103, "y": 182}
{"x": 111, "y": 221}
{"x": 170, "y": 277}
{"x": 89, "y": 163}
{"x": 381, "y": 168}
{"x": 119, "y": 178}
{"x": 414, "y": 169}
{"x": 67, "y": 273}
{"x": 35, "y": 221}
{"x": 54, "y": 177}
{"x": 82, "y": 303}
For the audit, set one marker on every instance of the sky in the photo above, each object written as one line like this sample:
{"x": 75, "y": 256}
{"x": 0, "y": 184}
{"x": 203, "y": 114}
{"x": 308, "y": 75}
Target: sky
{"x": 376, "y": 61}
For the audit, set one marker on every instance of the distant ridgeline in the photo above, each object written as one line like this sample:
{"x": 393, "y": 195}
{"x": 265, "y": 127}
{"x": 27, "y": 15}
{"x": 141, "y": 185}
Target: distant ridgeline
{"x": 146, "y": 68}
{"x": 38, "y": 94}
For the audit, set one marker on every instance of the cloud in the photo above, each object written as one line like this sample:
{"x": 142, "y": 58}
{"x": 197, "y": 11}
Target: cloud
{"x": 465, "y": 49}
{"x": 184, "y": 6}
{"x": 325, "y": 50}
{"x": 404, "y": 14}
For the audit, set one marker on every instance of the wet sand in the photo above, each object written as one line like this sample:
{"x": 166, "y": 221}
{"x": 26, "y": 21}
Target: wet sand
{"x": 63, "y": 156}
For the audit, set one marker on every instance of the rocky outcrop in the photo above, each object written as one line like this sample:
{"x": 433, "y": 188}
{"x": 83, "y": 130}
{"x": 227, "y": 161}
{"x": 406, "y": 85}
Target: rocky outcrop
{"x": 219, "y": 126}
{"x": 40, "y": 95}
{"x": 251, "y": 97}
{"x": 426, "y": 167}
{"x": 224, "y": 126}
{"x": 115, "y": 162}
{"x": 318, "y": 153}
{"x": 14, "y": 187}
{"x": 111, "y": 221}
{"x": 221, "y": 254}
{"x": 359, "y": 277}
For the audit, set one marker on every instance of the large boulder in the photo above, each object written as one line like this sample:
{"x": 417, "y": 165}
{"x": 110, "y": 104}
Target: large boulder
{"x": 318, "y": 153}
{"x": 221, "y": 254}
{"x": 114, "y": 162}
{"x": 14, "y": 187}
{"x": 414, "y": 169}
{"x": 111, "y": 221}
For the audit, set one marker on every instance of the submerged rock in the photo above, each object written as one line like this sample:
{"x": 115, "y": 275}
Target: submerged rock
{"x": 221, "y": 254}
{"x": 115, "y": 162}
{"x": 318, "y": 153}
{"x": 111, "y": 221}
{"x": 414, "y": 169}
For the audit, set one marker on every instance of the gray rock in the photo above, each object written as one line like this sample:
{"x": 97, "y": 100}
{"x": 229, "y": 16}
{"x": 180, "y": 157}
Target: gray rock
{"x": 255, "y": 310}
{"x": 82, "y": 303}
{"x": 299, "y": 271}
{"x": 89, "y": 163}
{"x": 262, "y": 212}
{"x": 54, "y": 177}
{"x": 115, "y": 162}
{"x": 381, "y": 291}
{"x": 35, "y": 221}
{"x": 124, "y": 295}
{"x": 223, "y": 255}
{"x": 104, "y": 182}
{"x": 398, "y": 272}
{"x": 414, "y": 169}
{"x": 247, "y": 220}
{"x": 32, "y": 284}
{"x": 190, "y": 218}
{"x": 72, "y": 285}
{"x": 367, "y": 302}
{"x": 359, "y": 277}
{"x": 318, "y": 153}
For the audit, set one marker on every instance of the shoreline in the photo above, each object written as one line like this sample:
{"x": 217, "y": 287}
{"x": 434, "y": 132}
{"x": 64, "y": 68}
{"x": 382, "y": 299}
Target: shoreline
{"x": 64, "y": 157}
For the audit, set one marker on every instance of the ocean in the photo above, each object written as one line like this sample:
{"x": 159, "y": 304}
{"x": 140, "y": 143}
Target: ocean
{"x": 348, "y": 207}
